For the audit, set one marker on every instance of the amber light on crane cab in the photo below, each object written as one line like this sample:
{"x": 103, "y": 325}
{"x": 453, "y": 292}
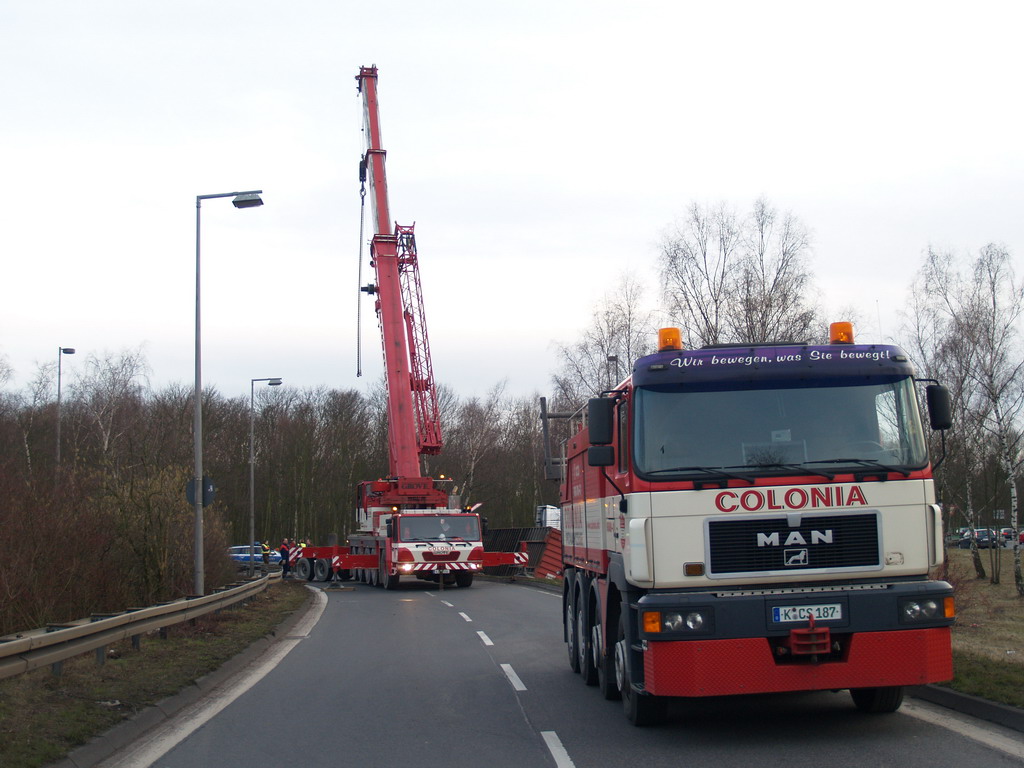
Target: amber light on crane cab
{"x": 840, "y": 333}
{"x": 669, "y": 339}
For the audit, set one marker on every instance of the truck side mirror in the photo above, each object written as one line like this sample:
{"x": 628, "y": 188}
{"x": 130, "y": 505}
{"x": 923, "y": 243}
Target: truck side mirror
{"x": 600, "y": 456}
{"x": 600, "y": 419}
{"x": 940, "y": 410}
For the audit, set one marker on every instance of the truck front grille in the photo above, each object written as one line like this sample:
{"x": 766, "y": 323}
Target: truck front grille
{"x": 783, "y": 544}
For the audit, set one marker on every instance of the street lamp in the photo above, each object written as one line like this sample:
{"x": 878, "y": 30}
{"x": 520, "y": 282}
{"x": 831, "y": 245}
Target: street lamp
{"x": 61, "y": 351}
{"x": 248, "y": 199}
{"x": 271, "y": 382}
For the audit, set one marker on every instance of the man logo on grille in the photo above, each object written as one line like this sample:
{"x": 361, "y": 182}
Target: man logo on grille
{"x": 795, "y": 557}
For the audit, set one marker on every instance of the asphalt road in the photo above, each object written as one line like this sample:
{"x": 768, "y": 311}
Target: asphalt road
{"x": 467, "y": 678}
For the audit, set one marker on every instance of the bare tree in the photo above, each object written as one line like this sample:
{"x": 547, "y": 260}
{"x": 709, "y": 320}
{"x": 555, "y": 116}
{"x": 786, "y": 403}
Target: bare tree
{"x": 979, "y": 307}
{"x": 746, "y": 280}
{"x": 475, "y": 438}
{"x": 621, "y": 331}
{"x": 107, "y": 387}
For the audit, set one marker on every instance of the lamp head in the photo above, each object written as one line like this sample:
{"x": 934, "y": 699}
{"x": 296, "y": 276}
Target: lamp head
{"x": 247, "y": 201}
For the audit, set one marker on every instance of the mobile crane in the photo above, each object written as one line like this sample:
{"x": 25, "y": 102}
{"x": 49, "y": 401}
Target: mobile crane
{"x": 406, "y": 524}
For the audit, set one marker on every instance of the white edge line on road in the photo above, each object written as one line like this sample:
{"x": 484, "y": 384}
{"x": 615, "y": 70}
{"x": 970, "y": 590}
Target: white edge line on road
{"x": 464, "y": 616}
{"x": 562, "y": 759}
{"x": 971, "y": 730}
{"x": 162, "y": 739}
{"x": 445, "y": 602}
{"x": 513, "y": 677}
{"x": 485, "y": 638}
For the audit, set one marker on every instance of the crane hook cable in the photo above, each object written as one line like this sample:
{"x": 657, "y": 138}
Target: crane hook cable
{"x": 359, "y": 297}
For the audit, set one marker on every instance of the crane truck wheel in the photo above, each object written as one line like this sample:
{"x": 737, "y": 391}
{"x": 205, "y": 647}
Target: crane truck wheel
{"x": 464, "y": 579}
{"x": 321, "y": 570}
{"x": 387, "y": 579}
{"x": 303, "y": 570}
{"x": 640, "y": 709}
{"x": 877, "y": 700}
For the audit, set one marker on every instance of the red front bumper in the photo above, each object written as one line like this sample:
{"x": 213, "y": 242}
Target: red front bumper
{"x": 747, "y": 665}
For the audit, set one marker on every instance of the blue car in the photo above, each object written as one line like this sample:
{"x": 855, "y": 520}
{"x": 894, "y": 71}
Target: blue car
{"x": 240, "y": 555}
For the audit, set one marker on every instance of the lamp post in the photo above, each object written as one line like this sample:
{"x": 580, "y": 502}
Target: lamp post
{"x": 271, "y": 382}
{"x": 61, "y": 351}
{"x": 249, "y": 199}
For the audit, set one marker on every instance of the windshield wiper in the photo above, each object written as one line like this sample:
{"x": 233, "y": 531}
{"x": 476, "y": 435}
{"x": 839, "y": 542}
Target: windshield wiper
{"x": 864, "y": 463}
{"x": 715, "y": 471}
{"x": 795, "y": 468}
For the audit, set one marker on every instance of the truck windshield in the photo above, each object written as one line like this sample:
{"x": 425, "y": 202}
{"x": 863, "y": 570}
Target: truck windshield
{"x": 431, "y": 528}
{"x": 819, "y": 426}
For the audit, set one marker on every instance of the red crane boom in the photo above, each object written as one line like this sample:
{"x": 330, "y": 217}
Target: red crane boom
{"x": 413, "y": 416}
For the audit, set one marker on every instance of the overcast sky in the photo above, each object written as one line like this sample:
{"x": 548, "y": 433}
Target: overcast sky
{"x": 541, "y": 148}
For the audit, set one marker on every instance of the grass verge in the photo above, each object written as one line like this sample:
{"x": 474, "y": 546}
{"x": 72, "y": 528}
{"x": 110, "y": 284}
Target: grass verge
{"x": 43, "y": 717}
{"x": 988, "y": 638}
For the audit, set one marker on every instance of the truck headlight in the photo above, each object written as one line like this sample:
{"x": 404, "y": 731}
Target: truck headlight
{"x": 921, "y": 610}
{"x": 677, "y": 622}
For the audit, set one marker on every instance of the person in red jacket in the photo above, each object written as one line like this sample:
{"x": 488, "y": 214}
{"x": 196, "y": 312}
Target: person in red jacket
{"x": 286, "y": 566}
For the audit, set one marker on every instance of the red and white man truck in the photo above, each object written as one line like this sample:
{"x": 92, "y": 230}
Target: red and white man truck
{"x": 406, "y": 524}
{"x": 755, "y": 518}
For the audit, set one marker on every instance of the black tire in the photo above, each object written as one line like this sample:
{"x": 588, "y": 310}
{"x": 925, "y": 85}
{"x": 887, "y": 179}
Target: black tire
{"x": 464, "y": 579}
{"x": 877, "y": 700}
{"x": 387, "y": 580}
{"x": 640, "y": 708}
{"x": 345, "y": 574}
{"x": 605, "y": 663}
{"x": 569, "y": 623}
{"x": 585, "y": 645}
{"x": 321, "y": 570}
{"x": 303, "y": 570}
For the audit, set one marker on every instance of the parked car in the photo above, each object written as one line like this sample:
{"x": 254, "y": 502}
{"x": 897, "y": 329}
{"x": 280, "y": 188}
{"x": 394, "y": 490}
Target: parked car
{"x": 985, "y": 537}
{"x": 1006, "y": 534}
{"x": 240, "y": 555}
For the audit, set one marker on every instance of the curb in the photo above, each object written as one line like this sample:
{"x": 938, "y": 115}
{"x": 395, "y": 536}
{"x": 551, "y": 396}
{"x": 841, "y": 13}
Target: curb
{"x": 1001, "y": 714}
{"x": 107, "y": 744}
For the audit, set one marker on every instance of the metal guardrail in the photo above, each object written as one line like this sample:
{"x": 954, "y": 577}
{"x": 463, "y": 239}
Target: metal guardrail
{"x": 25, "y": 651}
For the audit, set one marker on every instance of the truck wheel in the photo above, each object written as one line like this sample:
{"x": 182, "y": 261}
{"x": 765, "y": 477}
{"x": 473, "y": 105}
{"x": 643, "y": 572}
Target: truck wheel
{"x": 605, "y": 667}
{"x": 877, "y": 700}
{"x": 303, "y": 570}
{"x": 387, "y": 580}
{"x": 464, "y": 579}
{"x": 345, "y": 574}
{"x": 584, "y": 644}
{"x": 640, "y": 709}
{"x": 570, "y": 628}
{"x": 321, "y": 570}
